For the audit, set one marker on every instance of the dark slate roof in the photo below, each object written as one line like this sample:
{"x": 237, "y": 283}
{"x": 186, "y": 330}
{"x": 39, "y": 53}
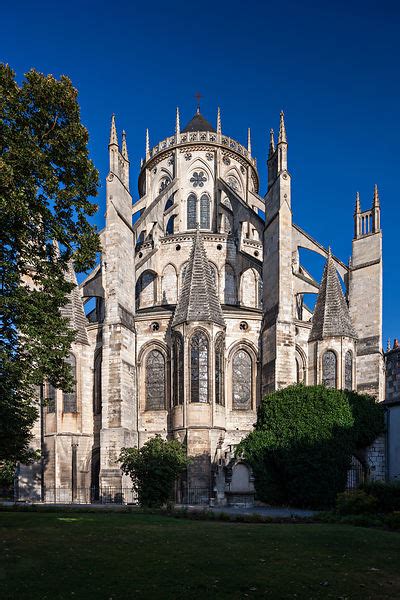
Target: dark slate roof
{"x": 198, "y": 298}
{"x": 74, "y": 310}
{"x": 331, "y": 315}
{"x": 198, "y": 123}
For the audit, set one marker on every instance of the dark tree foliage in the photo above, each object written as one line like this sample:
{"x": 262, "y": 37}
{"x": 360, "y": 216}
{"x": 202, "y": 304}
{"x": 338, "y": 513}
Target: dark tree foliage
{"x": 154, "y": 469}
{"x": 46, "y": 181}
{"x": 301, "y": 448}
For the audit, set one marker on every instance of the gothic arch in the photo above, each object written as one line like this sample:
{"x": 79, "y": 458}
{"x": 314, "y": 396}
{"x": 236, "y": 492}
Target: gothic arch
{"x": 242, "y": 369}
{"x": 235, "y": 173}
{"x": 301, "y": 365}
{"x": 199, "y": 163}
{"x": 199, "y": 356}
{"x": 250, "y": 288}
{"x": 144, "y": 354}
{"x": 329, "y": 368}
{"x": 169, "y": 285}
{"x": 146, "y": 289}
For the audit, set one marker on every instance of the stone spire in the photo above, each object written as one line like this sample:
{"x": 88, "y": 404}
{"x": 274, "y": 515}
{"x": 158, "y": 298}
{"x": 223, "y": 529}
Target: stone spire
{"x": 219, "y": 127}
{"x": 124, "y": 149}
{"x": 376, "y": 203}
{"x": 113, "y": 133}
{"x": 271, "y": 143}
{"x": 282, "y": 138}
{"x": 147, "y": 144}
{"x": 73, "y": 310}
{"x": 177, "y": 123}
{"x": 249, "y": 141}
{"x": 331, "y": 315}
{"x": 198, "y": 299}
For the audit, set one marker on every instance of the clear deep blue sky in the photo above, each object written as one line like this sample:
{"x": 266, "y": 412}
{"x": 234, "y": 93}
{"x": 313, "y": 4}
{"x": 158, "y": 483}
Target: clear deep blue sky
{"x": 333, "y": 67}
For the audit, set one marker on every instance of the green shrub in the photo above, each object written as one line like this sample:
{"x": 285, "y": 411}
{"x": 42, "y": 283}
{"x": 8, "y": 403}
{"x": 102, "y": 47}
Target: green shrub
{"x": 356, "y": 502}
{"x": 392, "y": 520}
{"x": 154, "y": 469}
{"x": 387, "y": 495}
{"x": 301, "y": 448}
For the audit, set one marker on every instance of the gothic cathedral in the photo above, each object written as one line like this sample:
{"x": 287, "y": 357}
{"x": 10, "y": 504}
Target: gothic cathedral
{"x": 198, "y": 310}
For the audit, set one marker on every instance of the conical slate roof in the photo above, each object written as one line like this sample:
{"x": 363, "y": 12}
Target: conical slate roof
{"x": 198, "y": 123}
{"x": 74, "y": 311}
{"x": 198, "y": 298}
{"x": 331, "y": 315}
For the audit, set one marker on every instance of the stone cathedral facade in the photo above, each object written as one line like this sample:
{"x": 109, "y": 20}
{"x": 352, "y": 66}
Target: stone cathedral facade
{"x": 199, "y": 309}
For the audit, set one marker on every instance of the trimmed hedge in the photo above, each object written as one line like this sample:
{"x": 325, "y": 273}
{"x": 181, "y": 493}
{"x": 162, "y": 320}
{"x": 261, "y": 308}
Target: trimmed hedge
{"x": 301, "y": 448}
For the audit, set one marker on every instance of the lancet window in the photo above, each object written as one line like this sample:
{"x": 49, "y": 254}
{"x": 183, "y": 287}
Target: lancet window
{"x": 192, "y": 212}
{"x": 242, "y": 380}
{"x": 348, "y": 370}
{"x": 178, "y": 370}
{"x": 69, "y": 398}
{"x": 219, "y": 370}
{"x": 97, "y": 383}
{"x": 204, "y": 212}
{"x": 199, "y": 368}
{"x": 155, "y": 381}
{"x": 329, "y": 369}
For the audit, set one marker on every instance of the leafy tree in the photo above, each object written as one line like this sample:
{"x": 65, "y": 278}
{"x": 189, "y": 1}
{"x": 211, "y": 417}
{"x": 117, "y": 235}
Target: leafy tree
{"x": 154, "y": 469}
{"x": 302, "y": 444}
{"x": 46, "y": 181}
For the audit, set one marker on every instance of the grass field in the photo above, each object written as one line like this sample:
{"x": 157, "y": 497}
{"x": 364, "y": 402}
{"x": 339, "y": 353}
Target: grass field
{"x": 122, "y": 556}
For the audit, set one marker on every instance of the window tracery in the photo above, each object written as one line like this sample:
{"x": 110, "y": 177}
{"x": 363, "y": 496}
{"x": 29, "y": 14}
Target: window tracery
{"x": 199, "y": 368}
{"x": 205, "y": 212}
{"x": 97, "y": 384}
{"x": 198, "y": 179}
{"x": 242, "y": 379}
{"x": 155, "y": 381}
{"x": 329, "y": 369}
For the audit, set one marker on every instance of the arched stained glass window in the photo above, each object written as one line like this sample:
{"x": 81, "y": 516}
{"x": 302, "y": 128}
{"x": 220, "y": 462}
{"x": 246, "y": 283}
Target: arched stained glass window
{"x": 205, "y": 212}
{"x": 170, "y": 226}
{"x": 242, "y": 380}
{"x": 97, "y": 384}
{"x": 69, "y": 398}
{"x": 51, "y": 398}
{"x": 329, "y": 369}
{"x": 219, "y": 370}
{"x": 348, "y": 370}
{"x": 155, "y": 381}
{"x": 192, "y": 212}
{"x": 199, "y": 368}
{"x": 178, "y": 371}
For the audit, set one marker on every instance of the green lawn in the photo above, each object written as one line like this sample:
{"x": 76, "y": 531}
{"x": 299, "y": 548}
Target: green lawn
{"x": 120, "y": 556}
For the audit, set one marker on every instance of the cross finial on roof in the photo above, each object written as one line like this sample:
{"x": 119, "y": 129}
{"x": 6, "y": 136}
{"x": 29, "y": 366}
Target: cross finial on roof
{"x": 198, "y": 97}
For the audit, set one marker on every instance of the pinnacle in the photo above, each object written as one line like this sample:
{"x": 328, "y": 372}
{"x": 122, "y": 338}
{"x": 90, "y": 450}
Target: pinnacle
{"x": 282, "y": 138}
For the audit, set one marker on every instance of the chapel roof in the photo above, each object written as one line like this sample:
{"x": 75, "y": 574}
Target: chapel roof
{"x": 74, "y": 311}
{"x": 198, "y": 299}
{"x": 331, "y": 315}
{"x": 198, "y": 123}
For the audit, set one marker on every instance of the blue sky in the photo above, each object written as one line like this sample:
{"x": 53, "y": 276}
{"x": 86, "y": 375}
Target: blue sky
{"x": 333, "y": 68}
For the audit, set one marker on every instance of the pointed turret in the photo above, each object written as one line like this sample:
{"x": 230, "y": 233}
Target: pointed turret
{"x": 376, "y": 203}
{"x": 271, "y": 149}
{"x": 282, "y": 138}
{"x": 357, "y": 208}
{"x": 124, "y": 149}
{"x": 73, "y": 310}
{"x": 198, "y": 299}
{"x": 249, "y": 141}
{"x": 113, "y": 133}
{"x": 147, "y": 144}
{"x": 331, "y": 315}
{"x": 177, "y": 123}
{"x": 219, "y": 127}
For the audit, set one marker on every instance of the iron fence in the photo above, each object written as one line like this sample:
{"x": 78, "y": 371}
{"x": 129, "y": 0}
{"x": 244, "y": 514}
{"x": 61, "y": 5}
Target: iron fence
{"x": 194, "y": 495}
{"x": 91, "y": 495}
{"x": 356, "y": 475}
